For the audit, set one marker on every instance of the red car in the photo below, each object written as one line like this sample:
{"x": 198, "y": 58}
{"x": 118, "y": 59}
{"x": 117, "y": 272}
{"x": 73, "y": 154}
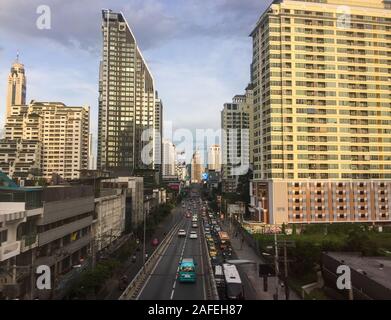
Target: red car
{"x": 155, "y": 242}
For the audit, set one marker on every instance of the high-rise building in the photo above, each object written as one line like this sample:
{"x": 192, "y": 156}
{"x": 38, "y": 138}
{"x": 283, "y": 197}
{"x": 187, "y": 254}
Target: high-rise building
{"x": 196, "y": 167}
{"x": 214, "y": 157}
{"x": 321, "y": 81}
{"x": 55, "y": 136}
{"x": 236, "y": 123}
{"x": 16, "y": 92}
{"x": 158, "y": 150}
{"x": 169, "y": 158}
{"x": 91, "y": 157}
{"x": 126, "y": 100}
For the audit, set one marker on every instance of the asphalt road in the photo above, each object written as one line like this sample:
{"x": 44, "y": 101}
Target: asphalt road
{"x": 162, "y": 284}
{"x": 130, "y": 269}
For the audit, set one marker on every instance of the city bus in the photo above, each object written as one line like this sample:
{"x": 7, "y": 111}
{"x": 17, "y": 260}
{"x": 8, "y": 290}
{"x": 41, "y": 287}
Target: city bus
{"x": 187, "y": 270}
{"x": 233, "y": 283}
{"x": 224, "y": 240}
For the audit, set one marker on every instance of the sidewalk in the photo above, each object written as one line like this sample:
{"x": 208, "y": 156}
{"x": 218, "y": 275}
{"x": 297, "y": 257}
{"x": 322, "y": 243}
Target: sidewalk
{"x": 245, "y": 252}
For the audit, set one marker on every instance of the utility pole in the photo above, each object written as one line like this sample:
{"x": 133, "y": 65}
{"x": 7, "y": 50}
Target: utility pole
{"x": 286, "y": 272}
{"x": 144, "y": 238}
{"x": 276, "y": 265}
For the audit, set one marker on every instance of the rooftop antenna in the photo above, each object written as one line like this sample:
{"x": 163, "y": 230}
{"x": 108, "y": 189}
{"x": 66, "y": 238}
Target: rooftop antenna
{"x": 17, "y": 56}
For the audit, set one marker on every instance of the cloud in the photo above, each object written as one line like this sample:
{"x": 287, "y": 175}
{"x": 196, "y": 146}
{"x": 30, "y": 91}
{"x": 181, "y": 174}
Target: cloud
{"x": 76, "y": 23}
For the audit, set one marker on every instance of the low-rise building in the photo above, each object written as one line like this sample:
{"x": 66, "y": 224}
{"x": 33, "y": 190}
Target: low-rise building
{"x": 321, "y": 201}
{"x": 135, "y": 198}
{"x": 44, "y": 227}
{"x": 370, "y": 276}
{"x": 109, "y": 217}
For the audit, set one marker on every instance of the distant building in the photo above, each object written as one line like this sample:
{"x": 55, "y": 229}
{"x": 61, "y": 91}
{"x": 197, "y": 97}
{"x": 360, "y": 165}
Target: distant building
{"x": 214, "y": 158}
{"x": 48, "y": 136}
{"x": 16, "y": 91}
{"x": 196, "y": 167}
{"x": 236, "y": 122}
{"x": 158, "y": 151}
{"x": 169, "y": 158}
{"x": 91, "y": 158}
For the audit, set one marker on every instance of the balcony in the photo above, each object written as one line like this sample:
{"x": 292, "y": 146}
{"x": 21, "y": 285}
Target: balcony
{"x": 9, "y": 250}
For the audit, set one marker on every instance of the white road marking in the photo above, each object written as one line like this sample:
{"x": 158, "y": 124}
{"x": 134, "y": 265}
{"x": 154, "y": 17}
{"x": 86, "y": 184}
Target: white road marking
{"x": 180, "y": 259}
{"x": 157, "y": 263}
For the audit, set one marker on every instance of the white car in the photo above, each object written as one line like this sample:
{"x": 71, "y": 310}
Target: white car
{"x": 194, "y": 225}
{"x": 193, "y": 235}
{"x": 181, "y": 233}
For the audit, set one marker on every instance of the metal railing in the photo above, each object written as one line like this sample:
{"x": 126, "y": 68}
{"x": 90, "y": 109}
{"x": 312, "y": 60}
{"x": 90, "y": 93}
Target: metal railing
{"x": 134, "y": 288}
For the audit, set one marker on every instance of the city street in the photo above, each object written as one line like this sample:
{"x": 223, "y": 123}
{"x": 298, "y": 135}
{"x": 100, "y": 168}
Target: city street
{"x": 112, "y": 291}
{"x": 163, "y": 284}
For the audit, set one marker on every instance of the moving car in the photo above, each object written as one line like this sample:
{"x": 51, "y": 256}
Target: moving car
{"x": 187, "y": 270}
{"x": 193, "y": 235}
{"x": 181, "y": 233}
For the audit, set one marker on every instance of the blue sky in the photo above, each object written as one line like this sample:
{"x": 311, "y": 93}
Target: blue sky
{"x": 199, "y": 52}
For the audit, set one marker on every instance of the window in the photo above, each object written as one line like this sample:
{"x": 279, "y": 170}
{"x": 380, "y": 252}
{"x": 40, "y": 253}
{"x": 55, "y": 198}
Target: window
{"x": 3, "y": 236}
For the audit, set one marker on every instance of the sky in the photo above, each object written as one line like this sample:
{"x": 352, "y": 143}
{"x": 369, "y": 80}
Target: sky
{"x": 199, "y": 52}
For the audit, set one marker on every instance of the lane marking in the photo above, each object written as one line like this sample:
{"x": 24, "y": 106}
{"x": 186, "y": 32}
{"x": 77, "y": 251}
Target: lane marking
{"x": 180, "y": 259}
{"x": 177, "y": 227}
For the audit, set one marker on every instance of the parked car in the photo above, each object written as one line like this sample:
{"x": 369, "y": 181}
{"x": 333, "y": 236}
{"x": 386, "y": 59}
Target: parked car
{"x": 155, "y": 242}
{"x": 194, "y": 225}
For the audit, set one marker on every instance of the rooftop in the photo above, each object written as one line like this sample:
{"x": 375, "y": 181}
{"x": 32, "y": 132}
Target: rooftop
{"x": 375, "y": 268}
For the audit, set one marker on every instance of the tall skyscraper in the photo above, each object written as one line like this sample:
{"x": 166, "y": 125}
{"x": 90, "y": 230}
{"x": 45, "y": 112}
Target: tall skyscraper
{"x": 236, "y": 121}
{"x": 158, "y": 151}
{"x": 196, "y": 167}
{"x": 214, "y": 157}
{"x": 169, "y": 158}
{"x": 47, "y": 136}
{"x": 91, "y": 157}
{"x": 126, "y": 100}
{"x": 16, "y": 92}
{"x": 322, "y": 97}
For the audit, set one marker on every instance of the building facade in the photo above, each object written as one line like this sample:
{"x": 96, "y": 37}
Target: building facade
{"x": 48, "y": 136}
{"x": 134, "y": 187}
{"x": 236, "y": 123}
{"x": 169, "y": 158}
{"x": 126, "y": 99}
{"x": 196, "y": 167}
{"x": 158, "y": 151}
{"x": 214, "y": 158}
{"x": 50, "y": 227}
{"x": 109, "y": 218}
{"x": 321, "y": 84}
